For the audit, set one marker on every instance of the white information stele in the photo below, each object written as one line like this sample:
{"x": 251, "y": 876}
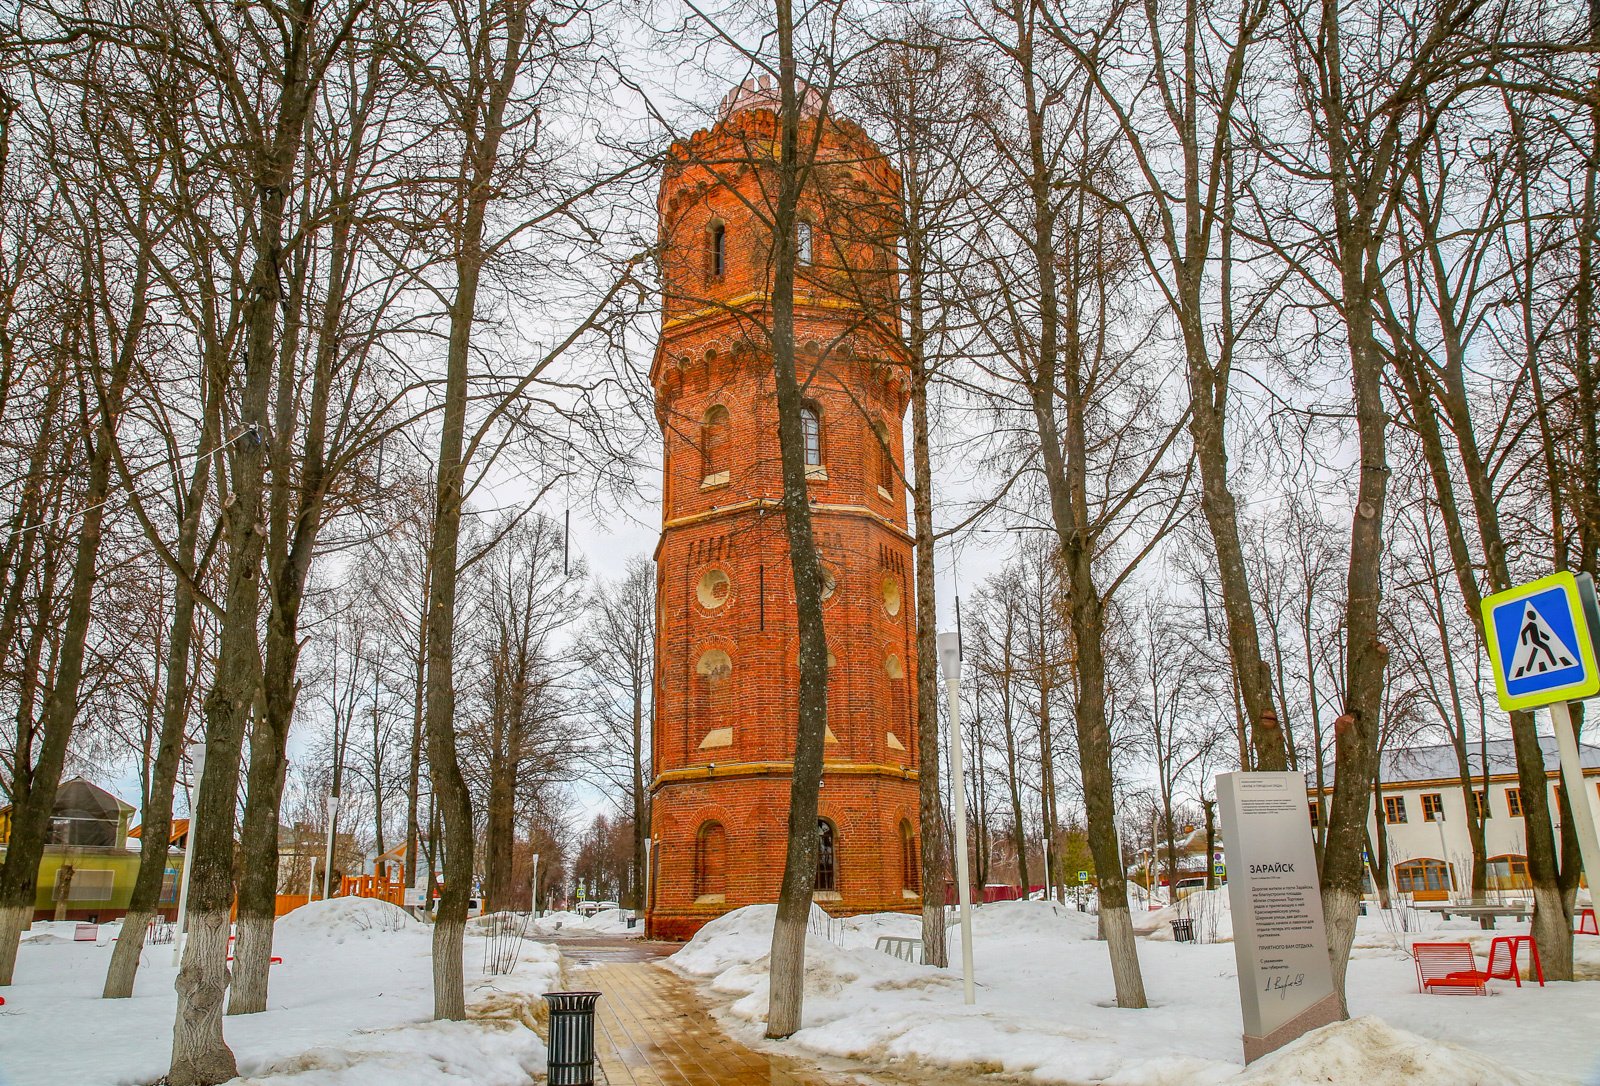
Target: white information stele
{"x": 1279, "y": 938}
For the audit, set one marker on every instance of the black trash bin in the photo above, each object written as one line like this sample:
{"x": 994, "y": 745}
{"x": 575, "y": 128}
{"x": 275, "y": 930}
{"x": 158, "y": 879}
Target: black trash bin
{"x": 1183, "y": 931}
{"x": 571, "y": 1060}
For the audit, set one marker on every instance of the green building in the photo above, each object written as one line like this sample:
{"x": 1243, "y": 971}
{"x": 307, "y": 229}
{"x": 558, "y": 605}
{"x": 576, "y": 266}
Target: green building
{"x": 88, "y": 867}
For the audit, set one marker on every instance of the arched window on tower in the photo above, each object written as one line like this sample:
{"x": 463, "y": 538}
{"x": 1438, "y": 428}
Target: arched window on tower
{"x": 827, "y": 858}
{"x": 711, "y": 861}
{"x": 882, "y": 455}
{"x": 713, "y": 698}
{"x": 719, "y": 250}
{"x": 909, "y": 865}
{"x": 811, "y": 430}
{"x": 802, "y": 242}
{"x": 714, "y": 434}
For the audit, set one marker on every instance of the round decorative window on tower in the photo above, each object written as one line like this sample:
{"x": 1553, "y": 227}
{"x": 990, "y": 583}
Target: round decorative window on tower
{"x": 714, "y": 589}
{"x": 891, "y": 595}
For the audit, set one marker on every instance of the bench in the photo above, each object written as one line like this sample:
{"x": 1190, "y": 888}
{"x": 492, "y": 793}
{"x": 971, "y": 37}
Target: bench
{"x": 1516, "y": 910}
{"x": 907, "y": 950}
{"x": 1449, "y": 967}
{"x": 1586, "y": 923}
{"x": 1503, "y": 952}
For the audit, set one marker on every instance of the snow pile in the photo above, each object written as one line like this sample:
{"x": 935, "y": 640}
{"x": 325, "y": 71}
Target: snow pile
{"x": 840, "y": 982}
{"x": 1024, "y": 919}
{"x": 1046, "y": 1010}
{"x": 611, "y": 921}
{"x": 605, "y": 922}
{"x": 1211, "y": 911}
{"x": 1368, "y": 1050}
{"x": 342, "y": 918}
{"x": 429, "y": 1054}
{"x": 350, "y": 1005}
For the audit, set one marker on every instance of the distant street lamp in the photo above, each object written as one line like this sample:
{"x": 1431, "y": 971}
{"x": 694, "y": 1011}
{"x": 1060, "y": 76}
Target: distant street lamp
{"x": 950, "y": 664}
{"x": 197, "y": 766}
{"x": 327, "y": 863}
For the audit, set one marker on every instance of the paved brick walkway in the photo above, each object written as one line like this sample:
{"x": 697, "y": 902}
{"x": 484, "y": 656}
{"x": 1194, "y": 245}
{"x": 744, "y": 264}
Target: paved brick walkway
{"x": 652, "y": 1029}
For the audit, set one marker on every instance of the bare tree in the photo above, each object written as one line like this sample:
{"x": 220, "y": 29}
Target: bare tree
{"x": 617, "y": 655}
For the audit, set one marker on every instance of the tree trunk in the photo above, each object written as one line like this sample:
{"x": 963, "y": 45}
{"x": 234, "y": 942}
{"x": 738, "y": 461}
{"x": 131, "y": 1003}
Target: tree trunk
{"x": 641, "y": 800}
{"x": 32, "y": 807}
{"x": 498, "y": 837}
{"x": 930, "y": 824}
{"x": 156, "y": 828}
{"x": 787, "y": 960}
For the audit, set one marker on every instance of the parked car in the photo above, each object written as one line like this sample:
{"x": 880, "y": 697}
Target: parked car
{"x": 1187, "y": 886}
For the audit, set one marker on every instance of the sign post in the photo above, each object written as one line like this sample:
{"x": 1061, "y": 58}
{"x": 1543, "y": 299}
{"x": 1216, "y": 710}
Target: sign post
{"x": 1542, "y": 638}
{"x": 950, "y": 663}
{"x": 1280, "y": 941}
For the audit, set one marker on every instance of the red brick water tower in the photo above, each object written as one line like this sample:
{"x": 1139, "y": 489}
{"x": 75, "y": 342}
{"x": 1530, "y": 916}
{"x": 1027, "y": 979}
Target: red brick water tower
{"x": 727, "y": 670}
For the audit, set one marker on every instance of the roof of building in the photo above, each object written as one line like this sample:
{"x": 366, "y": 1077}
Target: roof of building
{"x": 180, "y": 826}
{"x": 1432, "y": 763}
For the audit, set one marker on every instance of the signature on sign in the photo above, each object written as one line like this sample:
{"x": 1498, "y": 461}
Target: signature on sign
{"x": 1283, "y": 982}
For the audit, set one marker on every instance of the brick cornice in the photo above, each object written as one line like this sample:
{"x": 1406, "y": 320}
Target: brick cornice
{"x": 753, "y": 306}
{"x": 726, "y": 770}
{"x": 774, "y": 505}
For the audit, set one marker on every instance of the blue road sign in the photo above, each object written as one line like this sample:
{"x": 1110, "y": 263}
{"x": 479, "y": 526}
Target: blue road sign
{"x": 1541, "y": 642}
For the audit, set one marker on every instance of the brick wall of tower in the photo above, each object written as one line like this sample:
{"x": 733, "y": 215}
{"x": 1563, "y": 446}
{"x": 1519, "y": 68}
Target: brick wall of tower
{"x": 727, "y": 644}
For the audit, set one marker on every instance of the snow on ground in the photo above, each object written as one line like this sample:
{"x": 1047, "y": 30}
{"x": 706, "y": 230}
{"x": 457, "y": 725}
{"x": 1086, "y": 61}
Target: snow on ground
{"x": 605, "y": 922}
{"x": 1046, "y": 1009}
{"x": 349, "y": 1006}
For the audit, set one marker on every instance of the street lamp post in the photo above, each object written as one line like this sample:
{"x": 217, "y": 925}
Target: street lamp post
{"x": 533, "y": 897}
{"x": 327, "y": 860}
{"x": 950, "y": 663}
{"x": 197, "y": 763}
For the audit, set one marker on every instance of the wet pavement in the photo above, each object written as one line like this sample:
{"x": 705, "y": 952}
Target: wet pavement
{"x": 653, "y": 1029}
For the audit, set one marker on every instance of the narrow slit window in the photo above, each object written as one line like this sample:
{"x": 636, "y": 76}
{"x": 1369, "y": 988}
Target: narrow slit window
{"x": 719, "y": 250}
{"x": 802, "y": 246}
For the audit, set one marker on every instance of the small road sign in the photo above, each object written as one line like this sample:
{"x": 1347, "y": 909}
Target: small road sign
{"x": 1083, "y": 876}
{"x": 1542, "y": 641}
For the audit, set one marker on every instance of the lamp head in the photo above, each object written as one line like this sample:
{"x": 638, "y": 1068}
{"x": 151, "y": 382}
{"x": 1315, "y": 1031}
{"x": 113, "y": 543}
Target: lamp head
{"x": 950, "y": 655}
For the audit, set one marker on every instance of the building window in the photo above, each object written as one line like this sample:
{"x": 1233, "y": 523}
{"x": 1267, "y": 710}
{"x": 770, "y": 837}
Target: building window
{"x": 895, "y": 676}
{"x": 908, "y": 856}
{"x": 1508, "y": 873}
{"x": 1514, "y": 802}
{"x": 719, "y": 250}
{"x": 711, "y": 861}
{"x": 715, "y": 674}
{"x": 811, "y": 430}
{"x": 713, "y": 589}
{"x": 802, "y": 238}
{"x": 827, "y": 859}
{"x": 1432, "y": 807}
{"x": 882, "y": 456}
{"x": 1394, "y": 809}
{"x": 1480, "y": 803}
{"x": 1316, "y": 812}
{"x": 1423, "y": 879}
{"x": 714, "y": 442}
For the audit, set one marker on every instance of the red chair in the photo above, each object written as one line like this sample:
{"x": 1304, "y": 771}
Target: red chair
{"x": 1503, "y": 958}
{"x": 1449, "y": 967}
{"x": 1586, "y": 924}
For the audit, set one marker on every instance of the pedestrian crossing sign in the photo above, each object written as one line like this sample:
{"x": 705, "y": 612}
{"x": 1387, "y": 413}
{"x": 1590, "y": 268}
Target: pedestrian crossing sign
{"x": 1541, "y": 639}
